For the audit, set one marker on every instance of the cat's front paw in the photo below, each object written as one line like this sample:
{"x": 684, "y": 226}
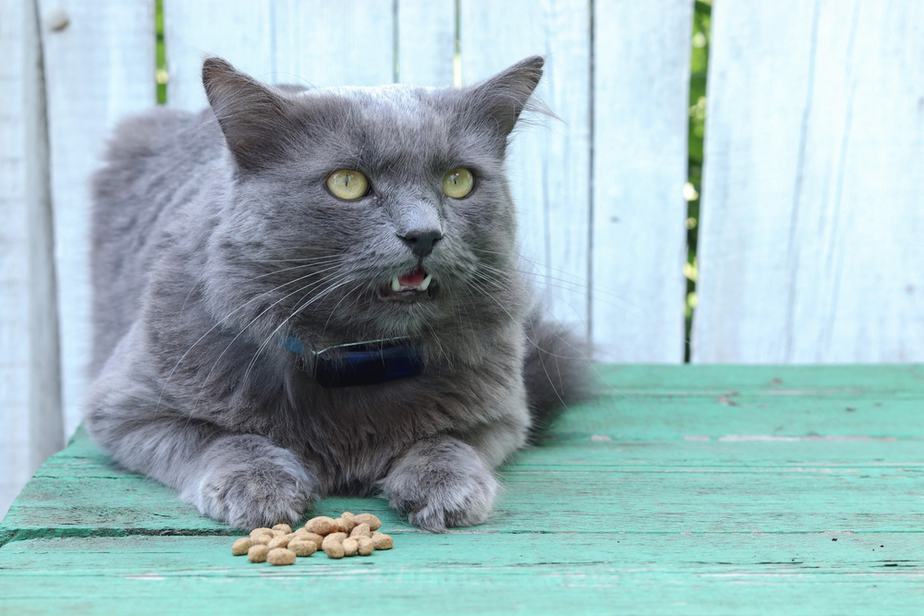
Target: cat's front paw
{"x": 255, "y": 490}
{"x": 442, "y": 484}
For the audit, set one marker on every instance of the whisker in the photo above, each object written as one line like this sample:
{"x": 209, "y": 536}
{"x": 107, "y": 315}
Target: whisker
{"x": 213, "y": 328}
{"x": 340, "y": 281}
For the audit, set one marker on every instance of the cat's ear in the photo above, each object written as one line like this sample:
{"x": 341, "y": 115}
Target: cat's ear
{"x": 253, "y": 117}
{"x": 501, "y": 99}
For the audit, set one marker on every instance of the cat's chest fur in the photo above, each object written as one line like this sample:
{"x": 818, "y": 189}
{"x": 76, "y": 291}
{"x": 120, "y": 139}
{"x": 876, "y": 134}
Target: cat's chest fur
{"x": 354, "y": 433}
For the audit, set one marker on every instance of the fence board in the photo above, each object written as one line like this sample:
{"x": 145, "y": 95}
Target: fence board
{"x": 322, "y": 43}
{"x": 641, "y": 77}
{"x": 241, "y": 32}
{"x": 426, "y": 41}
{"x": 98, "y": 68}
{"x": 548, "y": 164}
{"x": 30, "y": 394}
{"x": 811, "y": 246}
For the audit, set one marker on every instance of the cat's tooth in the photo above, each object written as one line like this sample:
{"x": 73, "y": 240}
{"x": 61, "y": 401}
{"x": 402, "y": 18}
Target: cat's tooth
{"x": 426, "y": 282}
{"x": 395, "y": 285}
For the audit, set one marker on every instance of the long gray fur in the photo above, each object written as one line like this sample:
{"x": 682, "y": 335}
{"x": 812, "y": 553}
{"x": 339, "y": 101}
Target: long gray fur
{"x": 213, "y": 240}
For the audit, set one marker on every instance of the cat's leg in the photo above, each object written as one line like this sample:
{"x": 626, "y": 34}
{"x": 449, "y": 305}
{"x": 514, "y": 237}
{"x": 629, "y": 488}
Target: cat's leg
{"x": 242, "y": 479}
{"x": 449, "y": 481}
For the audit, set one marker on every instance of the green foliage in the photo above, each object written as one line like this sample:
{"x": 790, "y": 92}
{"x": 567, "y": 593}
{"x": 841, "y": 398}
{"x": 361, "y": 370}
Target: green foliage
{"x": 160, "y": 57}
{"x": 699, "y": 64}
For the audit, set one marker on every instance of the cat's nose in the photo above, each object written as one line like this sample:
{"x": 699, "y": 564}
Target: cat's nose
{"x": 421, "y": 241}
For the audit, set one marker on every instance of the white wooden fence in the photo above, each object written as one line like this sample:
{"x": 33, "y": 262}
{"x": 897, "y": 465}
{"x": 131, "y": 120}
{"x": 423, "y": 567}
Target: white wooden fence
{"x": 812, "y": 237}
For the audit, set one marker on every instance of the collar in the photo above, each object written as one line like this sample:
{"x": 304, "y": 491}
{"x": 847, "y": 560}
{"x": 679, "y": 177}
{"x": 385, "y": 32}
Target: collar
{"x": 358, "y": 363}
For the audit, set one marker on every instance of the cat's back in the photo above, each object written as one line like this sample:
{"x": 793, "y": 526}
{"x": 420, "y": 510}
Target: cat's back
{"x": 154, "y": 162}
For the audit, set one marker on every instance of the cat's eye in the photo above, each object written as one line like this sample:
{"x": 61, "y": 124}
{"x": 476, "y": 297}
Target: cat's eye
{"x": 458, "y": 183}
{"x": 347, "y": 184}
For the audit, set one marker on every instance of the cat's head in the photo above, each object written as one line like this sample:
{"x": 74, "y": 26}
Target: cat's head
{"x": 369, "y": 212}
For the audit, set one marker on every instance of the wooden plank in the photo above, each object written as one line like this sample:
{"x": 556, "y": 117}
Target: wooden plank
{"x": 810, "y": 243}
{"x": 321, "y": 43}
{"x": 641, "y": 79}
{"x": 635, "y": 516}
{"x": 240, "y": 32}
{"x": 30, "y": 395}
{"x": 549, "y": 162}
{"x": 791, "y": 449}
{"x": 99, "y": 66}
{"x": 604, "y": 572}
{"x": 426, "y": 41}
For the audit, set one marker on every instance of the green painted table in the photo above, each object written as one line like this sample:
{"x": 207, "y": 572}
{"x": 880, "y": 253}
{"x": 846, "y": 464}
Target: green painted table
{"x": 683, "y": 490}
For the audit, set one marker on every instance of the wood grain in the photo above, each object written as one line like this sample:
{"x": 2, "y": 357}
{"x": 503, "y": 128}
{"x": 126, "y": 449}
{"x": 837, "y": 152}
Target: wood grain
{"x": 696, "y": 489}
{"x": 240, "y": 32}
{"x": 348, "y": 42}
{"x": 426, "y": 41}
{"x": 549, "y": 159}
{"x": 30, "y": 395}
{"x": 810, "y": 243}
{"x": 99, "y": 67}
{"x": 641, "y": 77}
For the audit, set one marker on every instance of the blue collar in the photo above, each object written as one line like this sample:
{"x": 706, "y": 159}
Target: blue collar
{"x": 358, "y": 363}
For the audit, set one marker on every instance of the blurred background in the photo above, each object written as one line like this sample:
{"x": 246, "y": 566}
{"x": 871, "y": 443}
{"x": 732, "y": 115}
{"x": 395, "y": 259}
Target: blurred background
{"x": 732, "y": 181}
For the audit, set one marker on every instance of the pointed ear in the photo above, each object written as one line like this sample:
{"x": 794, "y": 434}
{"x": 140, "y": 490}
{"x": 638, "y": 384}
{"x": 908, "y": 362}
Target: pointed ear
{"x": 502, "y": 98}
{"x": 254, "y": 118}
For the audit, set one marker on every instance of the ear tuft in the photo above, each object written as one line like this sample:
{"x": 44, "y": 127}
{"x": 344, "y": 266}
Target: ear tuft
{"x": 253, "y": 117}
{"x": 502, "y": 98}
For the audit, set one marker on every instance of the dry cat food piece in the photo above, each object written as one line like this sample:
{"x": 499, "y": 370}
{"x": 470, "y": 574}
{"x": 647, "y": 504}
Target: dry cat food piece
{"x": 284, "y": 528}
{"x": 366, "y": 546}
{"x": 381, "y": 541}
{"x": 257, "y": 553}
{"x": 303, "y": 548}
{"x": 321, "y": 525}
{"x": 334, "y": 549}
{"x": 260, "y": 531}
{"x": 317, "y": 539}
{"x": 262, "y": 538}
{"x": 280, "y": 556}
{"x": 361, "y": 530}
{"x": 241, "y": 546}
{"x": 367, "y": 518}
{"x": 278, "y": 542}
{"x": 350, "y": 546}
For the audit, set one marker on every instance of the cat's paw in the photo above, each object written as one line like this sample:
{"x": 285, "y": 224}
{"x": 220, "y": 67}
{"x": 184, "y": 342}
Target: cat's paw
{"x": 255, "y": 490}
{"x": 442, "y": 484}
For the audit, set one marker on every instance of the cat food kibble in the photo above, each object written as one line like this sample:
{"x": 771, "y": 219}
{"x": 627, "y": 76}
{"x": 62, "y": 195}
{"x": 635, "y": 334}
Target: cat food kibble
{"x": 366, "y": 546}
{"x": 241, "y": 546}
{"x": 262, "y": 538}
{"x": 303, "y": 548}
{"x": 347, "y": 535}
{"x": 278, "y": 542}
{"x": 280, "y": 556}
{"x": 321, "y": 525}
{"x": 257, "y": 553}
{"x": 350, "y": 546}
{"x": 334, "y": 549}
{"x": 367, "y": 518}
{"x": 381, "y": 541}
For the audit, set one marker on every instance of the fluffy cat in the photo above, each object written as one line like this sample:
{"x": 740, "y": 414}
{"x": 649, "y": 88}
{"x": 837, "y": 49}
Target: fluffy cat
{"x": 218, "y": 243}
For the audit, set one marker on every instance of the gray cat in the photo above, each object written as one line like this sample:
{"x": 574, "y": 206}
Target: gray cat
{"x": 318, "y": 293}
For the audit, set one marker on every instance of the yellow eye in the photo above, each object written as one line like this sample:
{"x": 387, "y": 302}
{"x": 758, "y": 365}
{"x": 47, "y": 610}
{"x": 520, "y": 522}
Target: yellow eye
{"x": 458, "y": 182}
{"x": 347, "y": 184}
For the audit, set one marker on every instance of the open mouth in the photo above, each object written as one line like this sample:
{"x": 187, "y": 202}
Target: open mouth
{"x": 414, "y": 285}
